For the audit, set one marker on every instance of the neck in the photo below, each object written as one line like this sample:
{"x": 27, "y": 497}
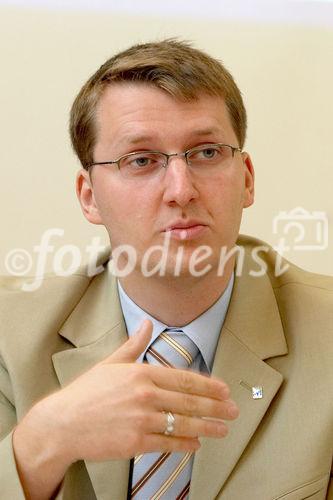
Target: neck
{"x": 176, "y": 301}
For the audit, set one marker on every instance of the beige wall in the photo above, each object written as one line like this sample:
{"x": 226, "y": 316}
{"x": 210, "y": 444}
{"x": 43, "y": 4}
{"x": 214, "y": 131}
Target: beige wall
{"x": 284, "y": 72}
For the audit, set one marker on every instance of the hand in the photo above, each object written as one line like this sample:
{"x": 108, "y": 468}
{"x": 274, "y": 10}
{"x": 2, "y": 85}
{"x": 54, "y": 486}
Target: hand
{"x": 115, "y": 410}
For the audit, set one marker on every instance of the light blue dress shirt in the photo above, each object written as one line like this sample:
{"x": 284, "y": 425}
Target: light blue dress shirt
{"x": 204, "y": 331}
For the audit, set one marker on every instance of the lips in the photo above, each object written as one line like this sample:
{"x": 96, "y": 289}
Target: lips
{"x": 184, "y": 224}
{"x": 191, "y": 229}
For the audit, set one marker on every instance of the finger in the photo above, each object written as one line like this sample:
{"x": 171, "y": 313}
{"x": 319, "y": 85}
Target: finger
{"x": 134, "y": 346}
{"x": 169, "y": 444}
{"x": 191, "y": 427}
{"x": 192, "y": 405}
{"x": 189, "y": 382}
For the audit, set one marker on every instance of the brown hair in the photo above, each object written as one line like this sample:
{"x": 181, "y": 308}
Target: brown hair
{"x": 171, "y": 65}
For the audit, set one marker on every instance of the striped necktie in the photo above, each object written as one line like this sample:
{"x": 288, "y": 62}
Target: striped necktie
{"x": 157, "y": 475}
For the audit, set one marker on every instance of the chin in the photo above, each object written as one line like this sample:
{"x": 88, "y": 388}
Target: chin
{"x": 179, "y": 265}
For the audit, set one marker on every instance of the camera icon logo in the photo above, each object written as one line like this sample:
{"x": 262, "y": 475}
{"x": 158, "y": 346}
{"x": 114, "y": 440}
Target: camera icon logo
{"x": 303, "y": 230}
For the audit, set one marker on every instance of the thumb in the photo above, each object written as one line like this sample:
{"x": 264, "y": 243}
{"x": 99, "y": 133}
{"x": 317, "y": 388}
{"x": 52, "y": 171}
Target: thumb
{"x": 134, "y": 346}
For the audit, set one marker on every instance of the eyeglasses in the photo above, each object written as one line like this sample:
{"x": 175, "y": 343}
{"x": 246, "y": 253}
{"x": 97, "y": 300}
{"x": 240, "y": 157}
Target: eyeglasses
{"x": 201, "y": 159}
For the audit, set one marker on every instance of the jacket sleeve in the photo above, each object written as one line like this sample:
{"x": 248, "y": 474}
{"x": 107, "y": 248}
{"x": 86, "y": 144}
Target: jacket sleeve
{"x": 330, "y": 487}
{"x": 9, "y": 480}
{"x": 10, "y": 484}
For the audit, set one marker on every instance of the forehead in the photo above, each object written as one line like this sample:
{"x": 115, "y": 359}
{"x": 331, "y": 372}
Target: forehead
{"x": 133, "y": 113}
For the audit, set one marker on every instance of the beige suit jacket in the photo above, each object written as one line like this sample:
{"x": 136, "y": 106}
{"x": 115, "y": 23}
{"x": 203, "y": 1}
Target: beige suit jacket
{"x": 278, "y": 334}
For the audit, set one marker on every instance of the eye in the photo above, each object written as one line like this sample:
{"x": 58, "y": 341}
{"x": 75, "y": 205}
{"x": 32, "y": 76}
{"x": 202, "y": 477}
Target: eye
{"x": 141, "y": 161}
{"x": 210, "y": 153}
{"x": 205, "y": 154}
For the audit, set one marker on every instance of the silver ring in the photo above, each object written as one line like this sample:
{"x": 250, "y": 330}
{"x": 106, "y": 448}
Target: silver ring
{"x": 170, "y": 424}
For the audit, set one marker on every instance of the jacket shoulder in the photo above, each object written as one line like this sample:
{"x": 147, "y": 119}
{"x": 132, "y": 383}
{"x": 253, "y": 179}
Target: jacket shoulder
{"x": 28, "y": 301}
{"x": 281, "y": 271}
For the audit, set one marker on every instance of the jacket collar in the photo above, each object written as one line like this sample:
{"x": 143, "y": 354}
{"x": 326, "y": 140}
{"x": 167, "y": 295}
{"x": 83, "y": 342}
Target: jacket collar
{"x": 252, "y": 308}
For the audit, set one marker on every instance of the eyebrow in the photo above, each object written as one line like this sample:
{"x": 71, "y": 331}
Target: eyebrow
{"x": 135, "y": 139}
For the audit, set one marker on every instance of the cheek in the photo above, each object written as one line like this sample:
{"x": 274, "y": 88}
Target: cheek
{"x": 225, "y": 196}
{"x": 126, "y": 213}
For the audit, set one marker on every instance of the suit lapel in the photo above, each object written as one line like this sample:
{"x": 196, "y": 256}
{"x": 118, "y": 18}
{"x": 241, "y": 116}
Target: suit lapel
{"x": 96, "y": 328}
{"x": 252, "y": 332}
{"x": 215, "y": 460}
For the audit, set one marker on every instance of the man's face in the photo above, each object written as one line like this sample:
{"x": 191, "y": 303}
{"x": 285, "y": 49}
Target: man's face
{"x": 189, "y": 208}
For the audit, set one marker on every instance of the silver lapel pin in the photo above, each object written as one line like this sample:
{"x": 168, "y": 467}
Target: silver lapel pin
{"x": 256, "y": 391}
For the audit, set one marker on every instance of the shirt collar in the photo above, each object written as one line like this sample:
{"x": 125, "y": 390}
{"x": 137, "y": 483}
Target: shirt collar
{"x": 204, "y": 330}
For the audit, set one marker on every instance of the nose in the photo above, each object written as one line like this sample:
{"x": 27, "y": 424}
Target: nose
{"x": 179, "y": 187}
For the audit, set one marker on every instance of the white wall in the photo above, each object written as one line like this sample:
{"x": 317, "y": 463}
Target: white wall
{"x": 280, "y": 56}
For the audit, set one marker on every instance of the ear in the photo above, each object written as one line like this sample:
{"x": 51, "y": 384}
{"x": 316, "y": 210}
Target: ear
{"x": 85, "y": 194}
{"x": 248, "y": 180}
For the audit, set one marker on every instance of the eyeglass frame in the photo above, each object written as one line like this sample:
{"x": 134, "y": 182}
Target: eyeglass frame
{"x": 166, "y": 155}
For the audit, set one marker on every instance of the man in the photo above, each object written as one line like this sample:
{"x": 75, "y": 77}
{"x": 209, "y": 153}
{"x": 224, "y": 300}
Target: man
{"x": 159, "y": 130}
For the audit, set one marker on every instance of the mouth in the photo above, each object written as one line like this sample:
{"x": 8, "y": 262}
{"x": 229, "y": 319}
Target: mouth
{"x": 184, "y": 231}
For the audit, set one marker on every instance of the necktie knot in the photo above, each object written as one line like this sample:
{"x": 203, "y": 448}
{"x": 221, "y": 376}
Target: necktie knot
{"x": 172, "y": 348}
